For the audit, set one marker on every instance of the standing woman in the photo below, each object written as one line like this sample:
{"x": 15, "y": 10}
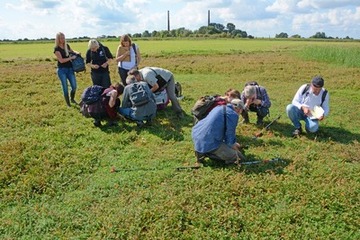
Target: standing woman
{"x": 127, "y": 56}
{"x": 98, "y": 57}
{"x": 65, "y": 71}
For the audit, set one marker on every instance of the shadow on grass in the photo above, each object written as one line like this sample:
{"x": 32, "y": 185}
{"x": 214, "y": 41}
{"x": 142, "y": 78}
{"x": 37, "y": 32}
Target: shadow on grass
{"x": 336, "y": 134}
{"x": 325, "y": 133}
{"x": 253, "y": 165}
{"x": 166, "y": 125}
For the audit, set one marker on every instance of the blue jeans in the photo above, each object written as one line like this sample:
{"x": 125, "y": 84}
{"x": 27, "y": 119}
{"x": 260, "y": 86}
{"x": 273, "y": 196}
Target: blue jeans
{"x": 64, "y": 74}
{"x": 129, "y": 113}
{"x": 296, "y": 115}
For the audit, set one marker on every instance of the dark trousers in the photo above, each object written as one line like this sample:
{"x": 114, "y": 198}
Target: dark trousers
{"x": 101, "y": 79}
{"x": 123, "y": 75}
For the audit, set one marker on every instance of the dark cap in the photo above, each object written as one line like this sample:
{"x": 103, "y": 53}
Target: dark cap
{"x": 318, "y": 82}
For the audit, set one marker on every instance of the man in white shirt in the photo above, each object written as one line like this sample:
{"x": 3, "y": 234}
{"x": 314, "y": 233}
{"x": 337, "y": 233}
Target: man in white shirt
{"x": 305, "y": 100}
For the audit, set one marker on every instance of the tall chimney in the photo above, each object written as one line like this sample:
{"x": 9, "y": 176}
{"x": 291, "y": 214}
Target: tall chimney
{"x": 168, "y": 18}
{"x": 208, "y": 17}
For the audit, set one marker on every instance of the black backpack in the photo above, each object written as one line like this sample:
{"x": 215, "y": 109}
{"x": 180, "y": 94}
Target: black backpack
{"x": 92, "y": 102}
{"x": 78, "y": 64}
{"x": 92, "y": 94}
{"x": 204, "y": 105}
{"x": 139, "y": 96}
{"x": 306, "y": 90}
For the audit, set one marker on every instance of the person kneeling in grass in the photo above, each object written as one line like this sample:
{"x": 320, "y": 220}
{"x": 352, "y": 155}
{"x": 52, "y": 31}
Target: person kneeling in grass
{"x": 215, "y": 135}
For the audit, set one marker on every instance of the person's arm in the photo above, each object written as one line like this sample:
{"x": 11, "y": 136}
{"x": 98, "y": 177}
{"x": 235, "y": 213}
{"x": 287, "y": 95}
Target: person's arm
{"x": 108, "y": 56}
{"x": 298, "y": 101}
{"x": 155, "y": 87}
{"x": 113, "y": 97}
{"x": 265, "y": 102}
{"x": 232, "y": 119}
{"x": 138, "y": 55}
{"x": 63, "y": 60}
{"x": 120, "y": 57}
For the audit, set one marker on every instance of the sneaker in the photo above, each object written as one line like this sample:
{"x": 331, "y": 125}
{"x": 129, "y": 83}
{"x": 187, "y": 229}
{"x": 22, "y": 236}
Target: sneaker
{"x": 148, "y": 123}
{"x": 139, "y": 124}
{"x": 259, "y": 122}
{"x": 97, "y": 123}
{"x": 112, "y": 124}
{"x": 297, "y": 132}
{"x": 245, "y": 121}
{"x": 74, "y": 102}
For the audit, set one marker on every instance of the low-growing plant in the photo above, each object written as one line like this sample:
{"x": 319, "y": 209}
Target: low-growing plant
{"x": 62, "y": 178}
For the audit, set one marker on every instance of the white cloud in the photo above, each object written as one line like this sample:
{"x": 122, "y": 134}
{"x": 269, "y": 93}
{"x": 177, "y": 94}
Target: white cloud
{"x": 260, "y": 18}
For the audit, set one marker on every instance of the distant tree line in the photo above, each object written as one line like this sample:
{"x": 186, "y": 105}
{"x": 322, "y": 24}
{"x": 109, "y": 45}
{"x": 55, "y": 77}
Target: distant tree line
{"x": 320, "y": 35}
{"x": 212, "y": 30}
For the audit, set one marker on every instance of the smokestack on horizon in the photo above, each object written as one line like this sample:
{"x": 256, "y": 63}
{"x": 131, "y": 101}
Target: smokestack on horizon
{"x": 208, "y": 17}
{"x": 168, "y": 16}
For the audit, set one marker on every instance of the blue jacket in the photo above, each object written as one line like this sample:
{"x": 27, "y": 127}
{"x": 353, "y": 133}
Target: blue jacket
{"x": 209, "y": 132}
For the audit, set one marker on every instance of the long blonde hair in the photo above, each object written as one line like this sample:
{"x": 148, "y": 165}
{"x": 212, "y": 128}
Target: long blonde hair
{"x": 57, "y": 42}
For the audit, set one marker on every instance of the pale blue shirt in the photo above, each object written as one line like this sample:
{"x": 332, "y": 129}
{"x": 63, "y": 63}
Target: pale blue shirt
{"x": 209, "y": 132}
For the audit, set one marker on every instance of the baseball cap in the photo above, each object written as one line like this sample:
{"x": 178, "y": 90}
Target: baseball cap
{"x": 318, "y": 82}
{"x": 237, "y": 103}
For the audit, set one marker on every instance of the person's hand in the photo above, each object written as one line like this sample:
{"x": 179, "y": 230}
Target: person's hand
{"x": 321, "y": 118}
{"x": 257, "y": 101}
{"x": 72, "y": 57}
{"x": 236, "y": 146}
{"x": 104, "y": 65}
{"x": 306, "y": 110}
{"x": 95, "y": 66}
{"x": 248, "y": 102}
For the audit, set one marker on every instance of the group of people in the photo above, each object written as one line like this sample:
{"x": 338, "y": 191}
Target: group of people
{"x": 214, "y": 135}
{"x": 98, "y": 57}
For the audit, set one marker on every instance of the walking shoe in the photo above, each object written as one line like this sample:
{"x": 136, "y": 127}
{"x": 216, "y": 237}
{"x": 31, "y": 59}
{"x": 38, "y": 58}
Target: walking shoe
{"x": 245, "y": 121}
{"x": 259, "y": 122}
{"x": 97, "y": 123}
{"x": 148, "y": 123}
{"x": 139, "y": 124}
{"x": 297, "y": 132}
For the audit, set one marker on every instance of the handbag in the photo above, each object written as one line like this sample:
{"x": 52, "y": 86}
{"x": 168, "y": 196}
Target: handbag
{"x": 78, "y": 64}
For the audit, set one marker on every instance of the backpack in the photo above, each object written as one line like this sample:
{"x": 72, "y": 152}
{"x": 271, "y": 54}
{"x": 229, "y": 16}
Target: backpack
{"x": 78, "y": 64}
{"x": 92, "y": 102}
{"x": 178, "y": 90}
{"x": 139, "y": 96}
{"x": 205, "y": 104}
{"x": 306, "y": 90}
{"x": 161, "y": 99}
{"x": 92, "y": 94}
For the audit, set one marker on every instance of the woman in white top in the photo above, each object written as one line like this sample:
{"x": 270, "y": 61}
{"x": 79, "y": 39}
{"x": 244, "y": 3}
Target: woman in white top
{"x": 127, "y": 56}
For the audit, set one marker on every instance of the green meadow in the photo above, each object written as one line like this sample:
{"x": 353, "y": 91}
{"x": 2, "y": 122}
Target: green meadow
{"x": 55, "y": 166}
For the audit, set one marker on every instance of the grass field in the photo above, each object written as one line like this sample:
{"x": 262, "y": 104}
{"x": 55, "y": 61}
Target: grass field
{"x": 55, "y": 179}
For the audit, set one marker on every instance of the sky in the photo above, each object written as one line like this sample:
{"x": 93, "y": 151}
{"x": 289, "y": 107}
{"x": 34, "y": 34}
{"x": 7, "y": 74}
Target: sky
{"x": 34, "y": 19}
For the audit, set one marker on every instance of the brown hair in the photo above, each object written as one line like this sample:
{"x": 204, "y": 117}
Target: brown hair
{"x": 125, "y": 38}
{"x": 119, "y": 88}
{"x": 233, "y": 93}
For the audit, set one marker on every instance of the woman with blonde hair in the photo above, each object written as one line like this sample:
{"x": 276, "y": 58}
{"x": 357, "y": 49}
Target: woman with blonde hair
{"x": 98, "y": 58}
{"x": 128, "y": 57}
{"x": 65, "y": 71}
